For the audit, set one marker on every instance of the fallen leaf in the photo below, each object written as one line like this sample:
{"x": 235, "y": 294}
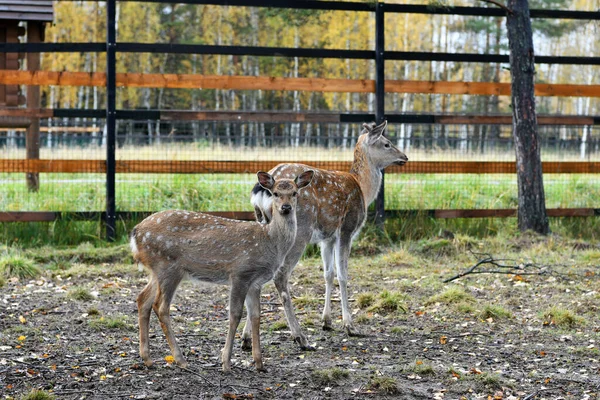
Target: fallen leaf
{"x": 102, "y": 377}
{"x": 22, "y": 319}
{"x": 443, "y": 339}
{"x": 21, "y": 338}
{"x": 475, "y": 371}
{"x": 170, "y": 359}
{"x": 419, "y": 313}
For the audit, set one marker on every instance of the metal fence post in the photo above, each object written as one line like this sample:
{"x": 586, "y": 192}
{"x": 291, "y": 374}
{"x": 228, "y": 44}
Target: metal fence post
{"x": 110, "y": 118}
{"x": 380, "y": 100}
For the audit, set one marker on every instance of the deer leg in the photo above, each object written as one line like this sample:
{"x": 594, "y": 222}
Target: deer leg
{"x": 253, "y": 307}
{"x": 247, "y": 333}
{"x": 342, "y": 253}
{"x": 281, "y": 280}
{"x": 144, "y": 303}
{"x": 162, "y": 304}
{"x": 236, "y": 307}
{"x": 327, "y": 254}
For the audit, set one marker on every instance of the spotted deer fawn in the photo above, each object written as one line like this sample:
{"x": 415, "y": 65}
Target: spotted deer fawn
{"x": 331, "y": 212}
{"x": 176, "y": 244}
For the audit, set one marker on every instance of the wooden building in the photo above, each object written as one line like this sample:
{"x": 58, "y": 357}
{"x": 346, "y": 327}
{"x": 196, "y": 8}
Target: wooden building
{"x": 23, "y": 20}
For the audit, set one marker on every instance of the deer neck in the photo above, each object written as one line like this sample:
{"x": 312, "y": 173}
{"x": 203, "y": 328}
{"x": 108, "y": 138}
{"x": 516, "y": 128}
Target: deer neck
{"x": 366, "y": 173}
{"x": 282, "y": 231}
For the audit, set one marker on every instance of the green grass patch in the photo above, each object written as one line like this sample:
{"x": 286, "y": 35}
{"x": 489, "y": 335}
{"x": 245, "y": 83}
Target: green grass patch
{"x": 495, "y": 312}
{"x": 36, "y": 394}
{"x": 419, "y": 367}
{"x": 80, "y": 294}
{"x": 562, "y": 317}
{"x": 364, "y": 300}
{"x": 87, "y": 253}
{"x": 307, "y": 299}
{"x": 119, "y": 322}
{"x": 383, "y": 384}
{"x": 466, "y": 307}
{"x": 329, "y": 377}
{"x": 389, "y": 302}
{"x": 489, "y": 380}
{"x": 279, "y": 325}
{"x": 18, "y": 266}
{"x": 452, "y": 295}
{"x": 93, "y": 311}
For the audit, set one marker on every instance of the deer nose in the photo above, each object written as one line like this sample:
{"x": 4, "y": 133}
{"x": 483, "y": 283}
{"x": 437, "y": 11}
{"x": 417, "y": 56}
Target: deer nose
{"x": 403, "y": 159}
{"x": 286, "y": 208}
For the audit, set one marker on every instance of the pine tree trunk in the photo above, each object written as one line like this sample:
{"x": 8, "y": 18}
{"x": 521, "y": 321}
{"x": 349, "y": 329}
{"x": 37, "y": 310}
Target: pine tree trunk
{"x": 532, "y": 207}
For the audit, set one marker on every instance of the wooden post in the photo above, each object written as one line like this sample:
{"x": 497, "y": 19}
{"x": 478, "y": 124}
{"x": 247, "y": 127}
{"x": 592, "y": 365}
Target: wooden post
{"x": 32, "y": 140}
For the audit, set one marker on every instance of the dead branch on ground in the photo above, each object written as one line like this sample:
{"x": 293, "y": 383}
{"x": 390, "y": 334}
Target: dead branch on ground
{"x": 487, "y": 264}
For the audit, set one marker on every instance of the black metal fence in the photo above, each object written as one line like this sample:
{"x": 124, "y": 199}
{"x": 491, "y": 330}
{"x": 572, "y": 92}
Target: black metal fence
{"x": 111, "y": 47}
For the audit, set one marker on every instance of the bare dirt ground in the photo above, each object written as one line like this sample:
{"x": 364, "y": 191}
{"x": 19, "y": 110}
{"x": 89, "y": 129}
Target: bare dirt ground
{"x": 72, "y": 331}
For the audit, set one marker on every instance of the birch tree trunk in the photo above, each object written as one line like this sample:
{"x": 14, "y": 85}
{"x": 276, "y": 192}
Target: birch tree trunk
{"x": 532, "y": 206}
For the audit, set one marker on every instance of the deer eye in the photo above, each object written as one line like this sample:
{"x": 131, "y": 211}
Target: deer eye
{"x": 275, "y": 194}
{"x": 387, "y": 145}
{"x": 295, "y": 194}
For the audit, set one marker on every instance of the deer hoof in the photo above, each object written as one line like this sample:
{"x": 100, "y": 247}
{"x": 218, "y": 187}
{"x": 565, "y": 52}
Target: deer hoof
{"x": 352, "y": 331}
{"x": 148, "y": 363}
{"x": 246, "y": 344}
{"x": 182, "y": 363}
{"x": 261, "y": 368}
{"x": 303, "y": 343}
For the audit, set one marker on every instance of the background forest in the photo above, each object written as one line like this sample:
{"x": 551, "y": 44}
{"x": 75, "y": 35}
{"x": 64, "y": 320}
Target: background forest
{"x": 254, "y": 26}
{"x": 251, "y": 26}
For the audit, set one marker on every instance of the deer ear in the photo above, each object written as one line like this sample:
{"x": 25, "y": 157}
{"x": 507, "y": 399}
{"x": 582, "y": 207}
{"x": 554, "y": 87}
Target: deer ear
{"x": 367, "y": 128}
{"x": 265, "y": 180}
{"x": 304, "y": 178}
{"x": 377, "y": 131}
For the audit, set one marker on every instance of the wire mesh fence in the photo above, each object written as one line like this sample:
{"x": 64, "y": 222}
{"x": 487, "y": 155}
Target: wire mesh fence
{"x": 211, "y": 166}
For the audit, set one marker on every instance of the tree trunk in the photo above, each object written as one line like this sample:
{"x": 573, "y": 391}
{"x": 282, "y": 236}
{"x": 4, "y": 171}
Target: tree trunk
{"x": 532, "y": 207}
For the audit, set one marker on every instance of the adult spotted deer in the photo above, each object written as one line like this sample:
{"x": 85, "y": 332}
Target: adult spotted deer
{"x": 176, "y": 244}
{"x": 331, "y": 212}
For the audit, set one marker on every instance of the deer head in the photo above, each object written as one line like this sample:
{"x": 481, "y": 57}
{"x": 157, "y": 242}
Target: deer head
{"x": 380, "y": 151}
{"x": 284, "y": 192}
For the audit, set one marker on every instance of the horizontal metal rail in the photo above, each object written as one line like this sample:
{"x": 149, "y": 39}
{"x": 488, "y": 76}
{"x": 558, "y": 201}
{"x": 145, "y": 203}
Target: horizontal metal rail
{"x": 491, "y": 11}
{"x": 126, "y": 47}
{"x": 283, "y": 116}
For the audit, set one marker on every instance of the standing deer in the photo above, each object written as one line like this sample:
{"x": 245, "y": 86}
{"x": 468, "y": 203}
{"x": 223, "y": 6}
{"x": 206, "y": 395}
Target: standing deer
{"x": 331, "y": 212}
{"x": 176, "y": 244}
